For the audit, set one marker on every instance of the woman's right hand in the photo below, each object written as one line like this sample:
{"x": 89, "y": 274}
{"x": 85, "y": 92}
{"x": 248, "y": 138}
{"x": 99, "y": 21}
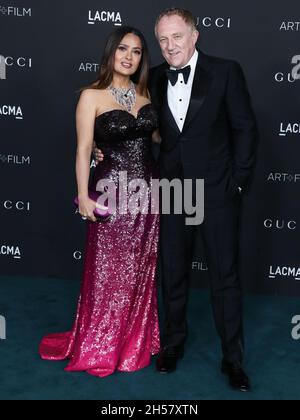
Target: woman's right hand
{"x": 86, "y": 208}
{"x": 99, "y": 156}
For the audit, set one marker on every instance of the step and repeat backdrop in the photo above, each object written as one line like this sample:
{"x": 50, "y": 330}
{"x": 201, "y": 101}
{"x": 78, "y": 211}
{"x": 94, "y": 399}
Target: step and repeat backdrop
{"x": 49, "y": 49}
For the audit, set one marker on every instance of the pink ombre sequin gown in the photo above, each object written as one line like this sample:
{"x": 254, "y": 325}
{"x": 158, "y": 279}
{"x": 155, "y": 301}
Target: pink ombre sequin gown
{"x": 116, "y": 326}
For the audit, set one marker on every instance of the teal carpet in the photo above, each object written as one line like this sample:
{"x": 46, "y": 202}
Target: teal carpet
{"x": 35, "y": 307}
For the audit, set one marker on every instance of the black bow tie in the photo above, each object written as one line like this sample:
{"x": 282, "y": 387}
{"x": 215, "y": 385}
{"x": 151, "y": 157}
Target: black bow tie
{"x": 173, "y": 75}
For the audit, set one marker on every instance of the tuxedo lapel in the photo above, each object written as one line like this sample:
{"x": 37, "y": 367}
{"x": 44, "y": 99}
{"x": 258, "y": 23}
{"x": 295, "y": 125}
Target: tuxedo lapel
{"x": 201, "y": 84}
{"x": 165, "y": 112}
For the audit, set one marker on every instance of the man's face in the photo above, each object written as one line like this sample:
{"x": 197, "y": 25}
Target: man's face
{"x": 177, "y": 40}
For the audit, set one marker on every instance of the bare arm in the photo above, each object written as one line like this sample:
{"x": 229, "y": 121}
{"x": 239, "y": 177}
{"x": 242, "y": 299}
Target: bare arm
{"x": 85, "y": 118}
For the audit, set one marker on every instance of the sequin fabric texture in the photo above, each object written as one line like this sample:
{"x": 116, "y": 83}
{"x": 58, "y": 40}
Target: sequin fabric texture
{"x": 116, "y": 325}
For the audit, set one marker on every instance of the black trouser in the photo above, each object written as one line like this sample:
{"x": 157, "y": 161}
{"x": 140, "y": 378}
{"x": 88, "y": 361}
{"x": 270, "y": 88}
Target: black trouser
{"x": 220, "y": 234}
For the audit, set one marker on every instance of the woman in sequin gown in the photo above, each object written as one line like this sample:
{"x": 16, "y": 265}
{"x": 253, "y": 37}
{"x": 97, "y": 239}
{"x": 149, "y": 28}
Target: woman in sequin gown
{"x": 116, "y": 326}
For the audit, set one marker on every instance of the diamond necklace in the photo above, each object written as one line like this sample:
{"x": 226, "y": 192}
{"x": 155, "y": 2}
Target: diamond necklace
{"x": 124, "y": 97}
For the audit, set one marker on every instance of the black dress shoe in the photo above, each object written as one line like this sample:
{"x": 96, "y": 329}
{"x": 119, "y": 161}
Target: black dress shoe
{"x": 237, "y": 377}
{"x": 167, "y": 360}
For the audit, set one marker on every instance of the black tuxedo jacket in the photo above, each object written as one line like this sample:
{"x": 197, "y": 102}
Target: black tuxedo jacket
{"x": 218, "y": 140}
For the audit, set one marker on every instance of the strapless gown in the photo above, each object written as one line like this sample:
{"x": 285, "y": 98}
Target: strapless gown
{"x": 116, "y": 325}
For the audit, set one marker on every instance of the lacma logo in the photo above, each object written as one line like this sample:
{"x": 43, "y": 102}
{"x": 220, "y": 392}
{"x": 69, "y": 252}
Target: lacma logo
{"x": 106, "y": 17}
{"x": 8, "y": 250}
{"x": 289, "y": 128}
{"x": 284, "y": 272}
{"x": 11, "y": 110}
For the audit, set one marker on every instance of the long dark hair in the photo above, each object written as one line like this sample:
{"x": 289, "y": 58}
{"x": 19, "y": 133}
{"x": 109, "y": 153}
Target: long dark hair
{"x": 105, "y": 74}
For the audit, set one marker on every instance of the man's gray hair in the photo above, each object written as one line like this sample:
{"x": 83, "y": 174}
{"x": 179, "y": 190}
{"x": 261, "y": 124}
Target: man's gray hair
{"x": 186, "y": 15}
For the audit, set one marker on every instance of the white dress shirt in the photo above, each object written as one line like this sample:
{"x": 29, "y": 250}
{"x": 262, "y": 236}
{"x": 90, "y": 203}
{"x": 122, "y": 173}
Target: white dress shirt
{"x": 179, "y": 95}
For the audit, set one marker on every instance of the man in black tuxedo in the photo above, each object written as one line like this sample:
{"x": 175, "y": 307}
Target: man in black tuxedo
{"x": 208, "y": 132}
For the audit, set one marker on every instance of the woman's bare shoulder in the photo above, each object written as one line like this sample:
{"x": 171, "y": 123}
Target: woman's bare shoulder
{"x": 94, "y": 94}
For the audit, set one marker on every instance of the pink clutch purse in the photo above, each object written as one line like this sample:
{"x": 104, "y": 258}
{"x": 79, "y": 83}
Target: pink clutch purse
{"x": 101, "y": 214}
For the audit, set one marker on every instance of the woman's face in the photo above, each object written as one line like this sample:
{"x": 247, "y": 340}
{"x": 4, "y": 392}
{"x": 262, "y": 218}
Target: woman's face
{"x": 128, "y": 55}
